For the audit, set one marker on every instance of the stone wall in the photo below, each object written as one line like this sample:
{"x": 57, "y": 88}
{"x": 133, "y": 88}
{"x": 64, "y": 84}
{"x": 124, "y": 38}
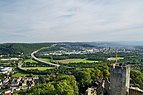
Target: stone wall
{"x": 119, "y": 80}
{"x": 106, "y": 87}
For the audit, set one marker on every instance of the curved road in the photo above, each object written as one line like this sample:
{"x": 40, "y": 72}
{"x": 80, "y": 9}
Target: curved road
{"x": 39, "y": 60}
{"x": 20, "y": 65}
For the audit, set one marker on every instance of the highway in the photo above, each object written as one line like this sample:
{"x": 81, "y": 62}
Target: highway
{"x": 20, "y": 65}
{"x": 39, "y": 60}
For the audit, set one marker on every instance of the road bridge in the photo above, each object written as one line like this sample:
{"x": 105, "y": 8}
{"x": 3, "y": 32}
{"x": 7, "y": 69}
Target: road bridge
{"x": 42, "y": 61}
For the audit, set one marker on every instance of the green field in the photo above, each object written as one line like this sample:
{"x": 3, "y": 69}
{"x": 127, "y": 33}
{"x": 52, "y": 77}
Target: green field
{"x": 18, "y": 74}
{"x": 45, "y": 59}
{"x": 114, "y": 58}
{"x": 66, "y": 61}
{"x": 39, "y": 68}
{"x": 30, "y": 61}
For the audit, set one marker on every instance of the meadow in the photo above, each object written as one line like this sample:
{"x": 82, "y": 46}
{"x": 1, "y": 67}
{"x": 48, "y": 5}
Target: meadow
{"x": 114, "y": 58}
{"x": 67, "y": 61}
{"x": 39, "y": 68}
{"x": 30, "y": 61}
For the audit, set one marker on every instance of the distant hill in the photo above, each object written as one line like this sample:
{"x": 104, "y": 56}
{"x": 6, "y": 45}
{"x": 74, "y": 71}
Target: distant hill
{"x": 116, "y": 44}
{"x": 18, "y": 48}
{"x": 27, "y": 48}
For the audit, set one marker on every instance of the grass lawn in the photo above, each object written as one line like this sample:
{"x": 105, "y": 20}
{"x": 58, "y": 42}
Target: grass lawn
{"x": 66, "y": 61}
{"x": 18, "y": 74}
{"x": 30, "y": 61}
{"x": 114, "y": 58}
{"x": 45, "y": 59}
{"x": 39, "y": 68}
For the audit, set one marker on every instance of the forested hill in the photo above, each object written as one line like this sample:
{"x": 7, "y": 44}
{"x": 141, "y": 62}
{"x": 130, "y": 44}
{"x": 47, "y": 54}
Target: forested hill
{"x": 28, "y": 48}
{"x": 18, "y": 48}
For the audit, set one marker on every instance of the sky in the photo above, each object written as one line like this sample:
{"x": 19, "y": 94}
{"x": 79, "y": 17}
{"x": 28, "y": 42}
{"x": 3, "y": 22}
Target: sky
{"x": 71, "y": 20}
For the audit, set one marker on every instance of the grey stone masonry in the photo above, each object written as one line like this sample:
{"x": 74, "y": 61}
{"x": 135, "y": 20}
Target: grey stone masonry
{"x": 119, "y": 80}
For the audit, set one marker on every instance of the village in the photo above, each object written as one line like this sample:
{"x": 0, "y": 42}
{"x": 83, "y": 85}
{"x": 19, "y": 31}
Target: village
{"x": 12, "y": 85}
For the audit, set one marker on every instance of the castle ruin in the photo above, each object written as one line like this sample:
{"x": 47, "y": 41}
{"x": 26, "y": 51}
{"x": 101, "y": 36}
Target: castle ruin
{"x": 119, "y": 80}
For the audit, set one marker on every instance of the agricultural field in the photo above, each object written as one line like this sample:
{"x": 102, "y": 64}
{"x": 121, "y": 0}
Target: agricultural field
{"x": 45, "y": 59}
{"x": 19, "y": 74}
{"x": 39, "y": 68}
{"x": 114, "y": 58}
{"x": 67, "y": 61}
{"x": 30, "y": 61}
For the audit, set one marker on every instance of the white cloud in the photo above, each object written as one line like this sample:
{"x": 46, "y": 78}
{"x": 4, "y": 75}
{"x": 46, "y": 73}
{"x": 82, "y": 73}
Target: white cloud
{"x": 70, "y": 20}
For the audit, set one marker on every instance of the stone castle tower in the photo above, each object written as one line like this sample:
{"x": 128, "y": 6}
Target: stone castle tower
{"x": 119, "y": 80}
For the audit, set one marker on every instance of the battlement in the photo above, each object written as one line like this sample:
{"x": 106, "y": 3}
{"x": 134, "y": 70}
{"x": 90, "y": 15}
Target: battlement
{"x": 119, "y": 69}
